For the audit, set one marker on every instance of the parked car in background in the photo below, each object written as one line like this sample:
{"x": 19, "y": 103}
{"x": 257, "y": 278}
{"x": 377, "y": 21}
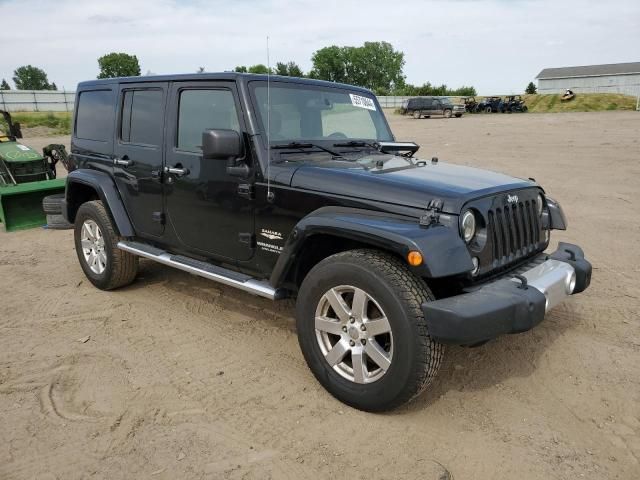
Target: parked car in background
{"x": 421, "y": 107}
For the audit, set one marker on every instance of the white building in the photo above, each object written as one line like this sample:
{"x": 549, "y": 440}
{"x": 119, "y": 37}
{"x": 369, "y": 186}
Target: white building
{"x": 610, "y": 78}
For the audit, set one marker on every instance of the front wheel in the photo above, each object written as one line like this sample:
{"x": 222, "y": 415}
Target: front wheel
{"x": 104, "y": 264}
{"x": 362, "y": 331}
{"x": 447, "y": 114}
{"x": 488, "y": 110}
{"x": 416, "y": 114}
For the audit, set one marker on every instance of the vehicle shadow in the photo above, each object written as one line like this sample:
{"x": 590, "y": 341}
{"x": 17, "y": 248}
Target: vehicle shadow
{"x": 463, "y": 369}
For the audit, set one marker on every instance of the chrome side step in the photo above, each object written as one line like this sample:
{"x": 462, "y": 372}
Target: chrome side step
{"x": 202, "y": 269}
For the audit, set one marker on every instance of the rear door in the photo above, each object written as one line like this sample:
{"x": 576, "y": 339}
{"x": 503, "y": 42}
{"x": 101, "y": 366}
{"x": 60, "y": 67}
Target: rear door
{"x": 139, "y": 154}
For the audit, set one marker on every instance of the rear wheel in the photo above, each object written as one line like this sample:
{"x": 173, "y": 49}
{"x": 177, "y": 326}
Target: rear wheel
{"x": 488, "y": 110}
{"x": 447, "y": 114}
{"x": 104, "y": 264}
{"x": 362, "y": 331}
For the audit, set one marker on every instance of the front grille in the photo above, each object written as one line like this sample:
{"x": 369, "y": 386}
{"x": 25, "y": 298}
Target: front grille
{"x": 514, "y": 232}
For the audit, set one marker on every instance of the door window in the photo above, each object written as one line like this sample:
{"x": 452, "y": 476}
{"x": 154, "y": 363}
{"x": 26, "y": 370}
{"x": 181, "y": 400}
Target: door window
{"x": 142, "y": 117}
{"x": 94, "y": 116}
{"x": 200, "y": 110}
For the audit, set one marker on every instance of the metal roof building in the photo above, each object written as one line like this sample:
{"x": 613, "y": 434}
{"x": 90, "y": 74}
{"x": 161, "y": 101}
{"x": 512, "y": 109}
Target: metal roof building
{"x": 609, "y": 78}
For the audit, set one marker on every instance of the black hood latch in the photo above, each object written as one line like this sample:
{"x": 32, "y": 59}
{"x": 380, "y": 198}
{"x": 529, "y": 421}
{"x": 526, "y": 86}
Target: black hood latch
{"x": 432, "y": 215}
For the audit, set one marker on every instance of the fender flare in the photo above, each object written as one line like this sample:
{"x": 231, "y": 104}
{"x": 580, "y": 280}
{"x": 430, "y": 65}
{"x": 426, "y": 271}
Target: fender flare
{"x": 105, "y": 188}
{"x": 444, "y": 252}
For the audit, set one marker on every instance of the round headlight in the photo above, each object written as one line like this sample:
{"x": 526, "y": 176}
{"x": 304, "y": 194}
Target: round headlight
{"x": 468, "y": 226}
{"x": 540, "y": 204}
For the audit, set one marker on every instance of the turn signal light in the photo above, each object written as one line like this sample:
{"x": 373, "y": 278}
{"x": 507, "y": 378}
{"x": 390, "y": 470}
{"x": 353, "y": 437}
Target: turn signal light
{"x": 414, "y": 258}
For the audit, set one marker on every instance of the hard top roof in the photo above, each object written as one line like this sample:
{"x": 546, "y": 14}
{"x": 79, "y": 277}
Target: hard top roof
{"x": 222, "y": 76}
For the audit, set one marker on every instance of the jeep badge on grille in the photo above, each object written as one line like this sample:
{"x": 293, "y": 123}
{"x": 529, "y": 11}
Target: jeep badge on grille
{"x": 512, "y": 198}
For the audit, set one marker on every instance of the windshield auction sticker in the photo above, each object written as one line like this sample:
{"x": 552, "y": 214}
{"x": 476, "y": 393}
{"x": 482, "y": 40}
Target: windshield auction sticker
{"x": 362, "y": 102}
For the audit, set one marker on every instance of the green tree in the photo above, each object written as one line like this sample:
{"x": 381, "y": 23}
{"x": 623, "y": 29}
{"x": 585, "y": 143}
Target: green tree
{"x": 259, "y": 68}
{"x": 4, "y": 85}
{"x": 240, "y": 69}
{"x": 531, "y": 88}
{"x": 289, "y": 69}
{"x": 53, "y": 86}
{"x": 329, "y": 64}
{"x": 374, "y": 65}
{"x": 29, "y": 77}
{"x": 118, "y": 65}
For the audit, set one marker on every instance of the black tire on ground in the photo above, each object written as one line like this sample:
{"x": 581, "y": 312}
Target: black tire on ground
{"x": 415, "y": 358}
{"x": 446, "y": 113}
{"x": 525, "y": 108}
{"x": 52, "y": 204}
{"x": 121, "y": 267}
{"x": 458, "y": 115}
{"x": 57, "y": 222}
{"x": 488, "y": 110}
{"x": 416, "y": 114}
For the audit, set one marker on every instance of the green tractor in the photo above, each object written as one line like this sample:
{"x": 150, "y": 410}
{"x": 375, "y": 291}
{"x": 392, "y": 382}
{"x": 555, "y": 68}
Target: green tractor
{"x": 26, "y": 177}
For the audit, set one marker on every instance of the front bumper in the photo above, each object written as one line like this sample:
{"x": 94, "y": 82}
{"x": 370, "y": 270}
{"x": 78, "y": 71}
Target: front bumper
{"x": 514, "y": 303}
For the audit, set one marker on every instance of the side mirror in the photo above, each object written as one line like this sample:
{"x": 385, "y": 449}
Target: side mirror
{"x": 221, "y": 144}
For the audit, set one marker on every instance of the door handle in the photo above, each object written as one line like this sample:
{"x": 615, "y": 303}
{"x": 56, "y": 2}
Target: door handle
{"x": 124, "y": 161}
{"x": 177, "y": 171}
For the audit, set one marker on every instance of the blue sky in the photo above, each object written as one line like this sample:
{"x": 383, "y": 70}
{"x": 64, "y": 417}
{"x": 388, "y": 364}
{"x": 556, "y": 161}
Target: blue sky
{"x": 496, "y": 45}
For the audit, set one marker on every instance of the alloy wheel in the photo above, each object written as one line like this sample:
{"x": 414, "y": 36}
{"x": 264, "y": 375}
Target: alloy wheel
{"x": 354, "y": 334}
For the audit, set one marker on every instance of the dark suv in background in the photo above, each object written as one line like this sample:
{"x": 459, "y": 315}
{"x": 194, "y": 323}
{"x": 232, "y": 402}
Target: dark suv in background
{"x": 420, "y": 107}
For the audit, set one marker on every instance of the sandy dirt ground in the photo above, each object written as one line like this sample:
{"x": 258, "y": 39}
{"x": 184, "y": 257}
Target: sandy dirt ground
{"x": 178, "y": 377}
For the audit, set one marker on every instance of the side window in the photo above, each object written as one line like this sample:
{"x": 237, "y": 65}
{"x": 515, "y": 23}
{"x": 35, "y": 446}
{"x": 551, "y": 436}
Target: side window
{"x": 202, "y": 109}
{"x": 94, "y": 116}
{"x": 142, "y": 117}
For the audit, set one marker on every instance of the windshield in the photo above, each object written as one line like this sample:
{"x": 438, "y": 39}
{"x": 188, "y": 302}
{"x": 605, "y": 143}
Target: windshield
{"x": 314, "y": 113}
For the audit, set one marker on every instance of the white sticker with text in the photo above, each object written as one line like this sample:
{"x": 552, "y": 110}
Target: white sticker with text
{"x": 362, "y": 102}
{"x": 23, "y": 147}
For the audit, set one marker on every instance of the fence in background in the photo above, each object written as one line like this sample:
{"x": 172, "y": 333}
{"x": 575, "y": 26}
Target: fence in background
{"x": 36, "y": 101}
{"x": 54, "y": 101}
{"x": 392, "y": 102}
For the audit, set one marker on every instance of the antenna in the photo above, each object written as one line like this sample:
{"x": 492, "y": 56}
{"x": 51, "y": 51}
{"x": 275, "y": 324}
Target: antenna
{"x": 270, "y": 194}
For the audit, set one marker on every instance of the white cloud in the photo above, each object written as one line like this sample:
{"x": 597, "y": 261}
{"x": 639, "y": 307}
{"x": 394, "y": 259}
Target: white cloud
{"x": 496, "y": 45}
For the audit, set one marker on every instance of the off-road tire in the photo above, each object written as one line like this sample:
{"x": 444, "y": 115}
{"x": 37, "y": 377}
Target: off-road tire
{"x": 416, "y": 357}
{"x": 57, "y": 222}
{"x": 52, "y": 204}
{"x": 122, "y": 267}
{"x": 447, "y": 113}
{"x": 488, "y": 110}
{"x": 458, "y": 115}
{"x": 417, "y": 115}
{"x": 525, "y": 108}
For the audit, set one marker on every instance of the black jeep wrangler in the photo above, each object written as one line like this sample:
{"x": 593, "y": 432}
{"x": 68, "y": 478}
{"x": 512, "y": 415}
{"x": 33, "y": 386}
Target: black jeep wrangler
{"x": 288, "y": 187}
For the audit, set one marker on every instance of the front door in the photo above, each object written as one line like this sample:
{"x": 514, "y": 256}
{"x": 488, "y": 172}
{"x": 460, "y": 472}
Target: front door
{"x": 138, "y": 154}
{"x": 204, "y": 207}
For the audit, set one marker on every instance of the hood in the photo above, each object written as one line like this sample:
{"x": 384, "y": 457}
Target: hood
{"x": 399, "y": 183}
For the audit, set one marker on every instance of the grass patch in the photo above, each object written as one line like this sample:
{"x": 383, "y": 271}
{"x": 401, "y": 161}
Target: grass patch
{"x": 583, "y": 102}
{"x": 59, "y": 122}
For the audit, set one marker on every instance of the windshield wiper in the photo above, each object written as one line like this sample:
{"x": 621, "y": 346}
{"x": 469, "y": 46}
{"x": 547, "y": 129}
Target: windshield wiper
{"x": 356, "y": 143}
{"x": 302, "y": 146}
